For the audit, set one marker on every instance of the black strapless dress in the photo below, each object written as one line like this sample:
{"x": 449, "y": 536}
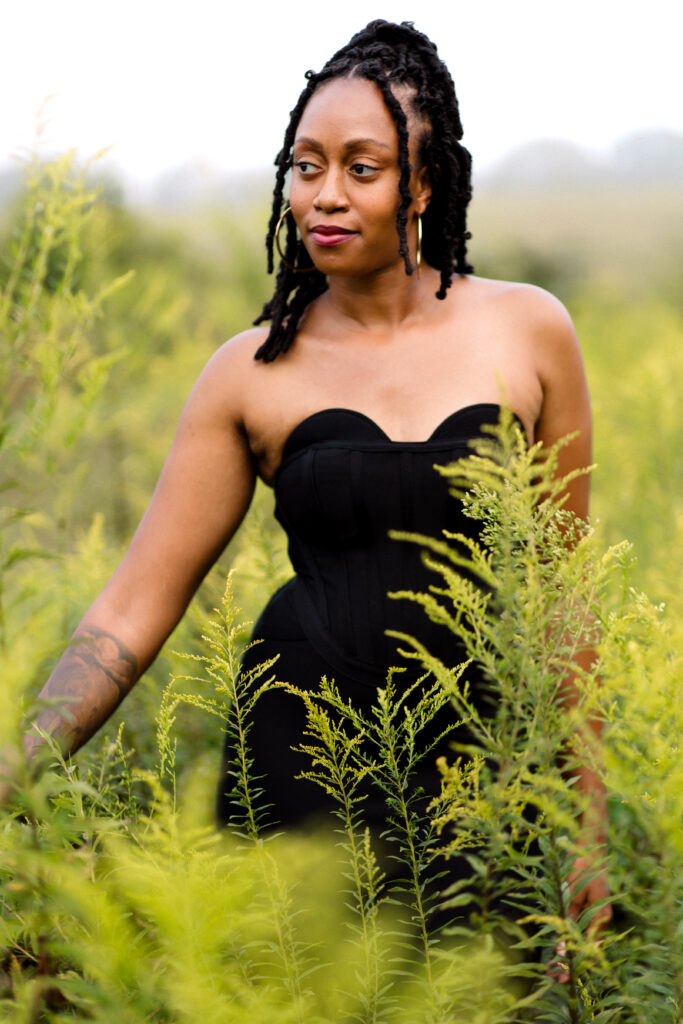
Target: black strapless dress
{"x": 341, "y": 487}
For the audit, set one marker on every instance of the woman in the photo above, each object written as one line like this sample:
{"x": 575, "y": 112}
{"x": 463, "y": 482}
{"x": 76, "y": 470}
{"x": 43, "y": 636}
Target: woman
{"x": 383, "y": 355}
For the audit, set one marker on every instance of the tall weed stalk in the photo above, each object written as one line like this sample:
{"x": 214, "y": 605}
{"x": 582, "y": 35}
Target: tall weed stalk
{"x": 232, "y": 700}
{"x": 533, "y": 594}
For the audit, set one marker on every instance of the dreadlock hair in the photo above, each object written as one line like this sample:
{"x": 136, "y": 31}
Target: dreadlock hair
{"x": 386, "y": 54}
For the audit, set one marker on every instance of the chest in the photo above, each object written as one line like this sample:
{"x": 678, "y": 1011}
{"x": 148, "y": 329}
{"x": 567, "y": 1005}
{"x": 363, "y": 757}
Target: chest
{"x": 343, "y": 485}
{"x": 407, "y": 390}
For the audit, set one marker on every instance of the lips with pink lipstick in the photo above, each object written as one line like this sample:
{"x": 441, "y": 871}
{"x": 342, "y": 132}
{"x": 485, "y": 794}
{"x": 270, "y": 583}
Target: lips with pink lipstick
{"x": 331, "y": 234}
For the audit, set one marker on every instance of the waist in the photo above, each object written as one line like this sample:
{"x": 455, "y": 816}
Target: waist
{"x": 355, "y": 634}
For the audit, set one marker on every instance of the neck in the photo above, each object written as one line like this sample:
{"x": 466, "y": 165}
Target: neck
{"x": 380, "y": 303}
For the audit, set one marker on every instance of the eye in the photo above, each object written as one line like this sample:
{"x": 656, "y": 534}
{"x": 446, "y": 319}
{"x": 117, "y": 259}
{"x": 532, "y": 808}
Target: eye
{"x": 363, "y": 170}
{"x": 305, "y": 167}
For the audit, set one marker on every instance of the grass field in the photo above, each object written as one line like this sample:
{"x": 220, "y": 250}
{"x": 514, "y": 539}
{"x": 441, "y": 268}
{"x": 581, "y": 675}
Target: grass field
{"x": 118, "y": 901}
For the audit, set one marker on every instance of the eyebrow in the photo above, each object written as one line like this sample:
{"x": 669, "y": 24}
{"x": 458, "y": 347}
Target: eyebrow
{"x": 354, "y": 144}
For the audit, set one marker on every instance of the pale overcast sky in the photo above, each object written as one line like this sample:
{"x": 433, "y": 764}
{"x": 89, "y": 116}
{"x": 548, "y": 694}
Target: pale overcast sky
{"x": 166, "y": 82}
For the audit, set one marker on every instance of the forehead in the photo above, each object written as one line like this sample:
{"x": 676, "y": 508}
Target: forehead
{"x": 347, "y": 108}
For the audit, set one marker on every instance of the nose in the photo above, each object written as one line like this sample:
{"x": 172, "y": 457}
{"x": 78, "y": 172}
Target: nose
{"x": 332, "y": 193}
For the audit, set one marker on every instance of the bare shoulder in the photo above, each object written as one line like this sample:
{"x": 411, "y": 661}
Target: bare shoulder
{"x": 533, "y": 321}
{"x": 539, "y": 331}
{"x": 550, "y": 330}
{"x": 237, "y": 354}
{"x": 226, "y": 377}
{"x": 524, "y": 304}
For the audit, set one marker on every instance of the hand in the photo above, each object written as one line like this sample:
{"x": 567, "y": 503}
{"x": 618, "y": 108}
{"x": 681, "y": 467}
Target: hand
{"x": 583, "y": 895}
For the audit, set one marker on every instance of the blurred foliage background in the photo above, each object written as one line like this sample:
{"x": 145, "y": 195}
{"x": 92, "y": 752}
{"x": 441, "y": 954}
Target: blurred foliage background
{"x": 107, "y": 315}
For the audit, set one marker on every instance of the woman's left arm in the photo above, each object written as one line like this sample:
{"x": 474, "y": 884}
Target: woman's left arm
{"x": 566, "y": 410}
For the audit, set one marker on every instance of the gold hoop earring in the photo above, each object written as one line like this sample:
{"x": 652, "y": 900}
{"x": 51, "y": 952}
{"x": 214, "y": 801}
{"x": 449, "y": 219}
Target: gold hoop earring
{"x": 418, "y": 254}
{"x": 296, "y": 270}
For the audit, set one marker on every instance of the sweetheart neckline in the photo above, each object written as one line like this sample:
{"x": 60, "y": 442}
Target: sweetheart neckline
{"x": 385, "y": 437}
{"x": 389, "y": 440}
{"x": 285, "y": 457}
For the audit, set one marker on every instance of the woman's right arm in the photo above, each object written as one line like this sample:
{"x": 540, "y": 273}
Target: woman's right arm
{"x": 202, "y": 494}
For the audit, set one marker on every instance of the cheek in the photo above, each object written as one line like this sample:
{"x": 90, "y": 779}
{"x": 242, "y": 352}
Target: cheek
{"x": 301, "y": 197}
{"x": 294, "y": 197}
{"x": 388, "y": 201}
{"x": 382, "y": 212}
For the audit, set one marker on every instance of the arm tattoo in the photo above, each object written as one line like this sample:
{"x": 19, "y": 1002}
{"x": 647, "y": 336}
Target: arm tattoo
{"x": 96, "y": 649}
{"x": 90, "y": 680}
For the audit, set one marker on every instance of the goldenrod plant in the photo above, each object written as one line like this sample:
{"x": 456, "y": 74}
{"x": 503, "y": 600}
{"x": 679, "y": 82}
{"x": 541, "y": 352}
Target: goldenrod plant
{"x": 119, "y": 900}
